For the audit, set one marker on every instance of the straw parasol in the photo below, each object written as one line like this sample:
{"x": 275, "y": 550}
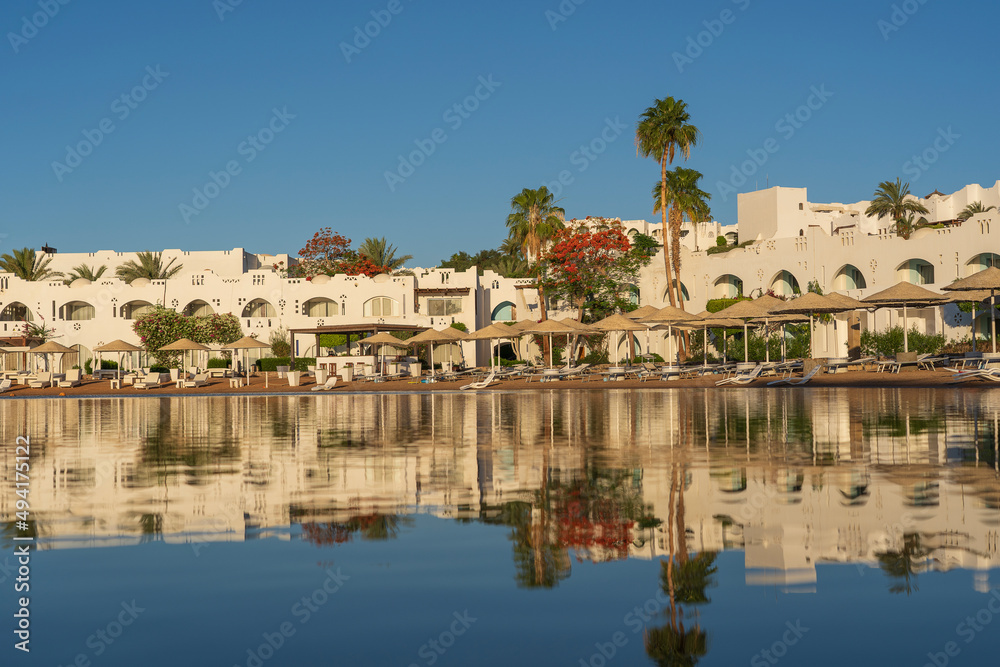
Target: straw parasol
{"x": 120, "y": 347}
{"x": 48, "y": 348}
{"x": 987, "y": 279}
{"x": 456, "y": 336}
{"x": 811, "y": 304}
{"x": 246, "y": 343}
{"x": 618, "y": 323}
{"x": 493, "y": 332}
{"x": 381, "y": 340}
{"x": 581, "y": 330}
{"x": 669, "y": 316}
{"x": 904, "y": 294}
{"x": 551, "y": 327}
{"x": 770, "y": 303}
{"x": 744, "y": 311}
{"x": 641, "y": 312}
{"x": 184, "y": 345}
{"x": 429, "y": 337}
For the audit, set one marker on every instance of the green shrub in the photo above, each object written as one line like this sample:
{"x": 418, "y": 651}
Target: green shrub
{"x": 336, "y": 340}
{"x": 281, "y": 345}
{"x": 301, "y": 363}
{"x": 88, "y": 368}
{"x": 159, "y": 369}
{"x": 107, "y": 365}
{"x": 889, "y": 343}
{"x": 460, "y": 326}
{"x": 721, "y": 242}
{"x": 595, "y": 357}
{"x": 218, "y": 363}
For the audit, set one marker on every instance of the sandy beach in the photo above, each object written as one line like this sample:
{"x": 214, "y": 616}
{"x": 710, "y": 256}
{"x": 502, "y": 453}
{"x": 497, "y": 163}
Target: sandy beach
{"x": 273, "y": 385}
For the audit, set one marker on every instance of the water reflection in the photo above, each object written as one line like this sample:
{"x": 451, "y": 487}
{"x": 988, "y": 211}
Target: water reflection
{"x": 903, "y": 480}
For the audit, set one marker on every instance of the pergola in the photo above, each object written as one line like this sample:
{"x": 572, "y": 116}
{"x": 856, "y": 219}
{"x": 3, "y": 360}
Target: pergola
{"x": 348, "y": 329}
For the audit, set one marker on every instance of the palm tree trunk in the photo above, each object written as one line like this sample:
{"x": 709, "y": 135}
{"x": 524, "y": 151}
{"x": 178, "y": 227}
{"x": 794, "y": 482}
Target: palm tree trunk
{"x": 663, "y": 210}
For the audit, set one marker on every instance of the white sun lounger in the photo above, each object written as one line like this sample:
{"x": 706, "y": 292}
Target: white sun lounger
{"x": 330, "y": 384}
{"x": 482, "y": 384}
{"x": 744, "y": 378}
{"x": 795, "y": 382}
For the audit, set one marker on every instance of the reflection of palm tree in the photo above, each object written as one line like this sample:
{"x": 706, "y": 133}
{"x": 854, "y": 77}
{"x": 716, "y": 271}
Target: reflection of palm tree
{"x": 685, "y": 583}
{"x": 904, "y": 565}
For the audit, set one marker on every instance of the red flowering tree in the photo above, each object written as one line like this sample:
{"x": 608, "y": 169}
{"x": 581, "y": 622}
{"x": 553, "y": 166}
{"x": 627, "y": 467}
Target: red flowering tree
{"x": 592, "y": 264}
{"x": 329, "y": 253}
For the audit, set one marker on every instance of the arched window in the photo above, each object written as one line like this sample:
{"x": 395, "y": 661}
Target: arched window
{"x": 258, "y": 308}
{"x": 785, "y": 284}
{"x": 684, "y": 292}
{"x": 198, "y": 308}
{"x": 727, "y": 287}
{"x": 16, "y": 312}
{"x": 633, "y": 295}
{"x": 916, "y": 271}
{"x": 505, "y": 312}
{"x": 320, "y": 307}
{"x": 76, "y": 311}
{"x": 982, "y": 262}
{"x": 849, "y": 277}
{"x": 381, "y": 306}
{"x": 135, "y": 309}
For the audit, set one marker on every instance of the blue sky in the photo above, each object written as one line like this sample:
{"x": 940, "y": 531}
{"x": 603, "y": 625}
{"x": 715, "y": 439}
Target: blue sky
{"x": 558, "y": 76}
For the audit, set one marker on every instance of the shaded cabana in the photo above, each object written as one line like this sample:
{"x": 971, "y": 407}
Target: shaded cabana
{"x": 987, "y": 279}
{"x": 905, "y": 294}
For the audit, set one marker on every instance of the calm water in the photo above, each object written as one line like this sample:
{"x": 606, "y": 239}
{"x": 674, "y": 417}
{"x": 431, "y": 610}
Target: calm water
{"x": 676, "y": 527}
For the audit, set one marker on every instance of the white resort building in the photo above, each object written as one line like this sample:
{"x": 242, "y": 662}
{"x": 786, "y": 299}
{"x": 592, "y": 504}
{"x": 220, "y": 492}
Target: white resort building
{"x": 792, "y": 242}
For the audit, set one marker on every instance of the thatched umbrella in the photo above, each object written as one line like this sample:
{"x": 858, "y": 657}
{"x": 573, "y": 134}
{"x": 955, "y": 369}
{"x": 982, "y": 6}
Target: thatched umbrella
{"x": 704, "y": 321}
{"x": 48, "y": 348}
{"x": 617, "y": 323}
{"x": 641, "y": 312}
{"x": 905, "y": 294}
{"x": 810, "y": 304}
{"x": 246, "y": 343}
{"x": 744, "y": 311}
{"x": 783, "y": 320}
{"x": 770, "y": 303}
{"x": 581, "y": 330}
{"x": 551, "y": 327}
{"x": 184, "y": 345}
{"x": 669, "y": 316}
{"x": 429, "y": 337}
{"x": 119, "y": 346}
{"x": 987, "y": 279}
{"x": 494, "y": 332}
{"x": 381, "y": 340}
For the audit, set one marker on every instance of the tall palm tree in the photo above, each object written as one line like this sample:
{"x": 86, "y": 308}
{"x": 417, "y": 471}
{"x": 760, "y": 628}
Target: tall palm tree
{"x": 533, "y": 221}
{"x": 85, "y": 272}
{"x": 663, "y": 131}
{"x": 894, "y": 200}
{"x": 26, "y": 265}
{"x": 382, "y": 253}
{"x": 150, "y": 265}
{"x": 972, "y": 209}
{"x": 685, "y": 197}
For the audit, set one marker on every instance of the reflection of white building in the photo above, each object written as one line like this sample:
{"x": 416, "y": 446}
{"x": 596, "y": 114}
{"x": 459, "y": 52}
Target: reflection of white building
{"x": 791, "y": 242}
{"x": 117, "y": 471}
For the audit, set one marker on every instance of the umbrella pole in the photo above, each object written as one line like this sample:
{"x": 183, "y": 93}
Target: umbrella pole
{"x": 746, "y": 343}
{"x": 670, "y": 346}
{"x": 704, "y": 362}
{"x": 812, "y": 353}
{"x": 993, "y": 319}
{"x": 906, "y": 343}
{"x": 783, "y": 341}
{"x": 767, "y": 340}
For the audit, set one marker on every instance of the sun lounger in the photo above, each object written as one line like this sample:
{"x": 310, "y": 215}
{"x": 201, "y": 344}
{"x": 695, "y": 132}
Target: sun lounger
{"x": 795, "y": 382}
{"x": 743, "y": 378}
{"x": 330, "y": 384}
{"x": 482, "y": 384}
{"x": 147, "y": 381}
{"x": 5, "y": 385}
{"x": 72, "y": 378}
{"x": 200, "y": 380}
{"x": 41, "y": 381}
{"x": 976, "y": 374}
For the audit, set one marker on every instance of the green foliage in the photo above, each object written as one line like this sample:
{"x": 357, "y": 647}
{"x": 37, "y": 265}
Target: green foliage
{"x": 460, "y": 326}
{"x": 814, "y": 287}
{"x": 159, "y": 369}
{"x": 335, "y": 340}
{"x": 890, "y": 342}
{"x": 281, "y": 345}
{"x": 301, "y": 363}
{"x": 715, "y": 305}
{"x": 796, "y": 344}
{"x": 88, "y": 368}
{"x": 219, "y": 363}
{"x": 596, "y": 357}
{"x": 721, "y": 241}
{"x": 161, "y": 326}
{"x": 642, "y": 360}
{"x": 27, "y": 265}
{"x": 644, "y": 245}
{"x": 149, "y": 265}
{"x": 726, "y": 248}
{"x": 108, "y": 365}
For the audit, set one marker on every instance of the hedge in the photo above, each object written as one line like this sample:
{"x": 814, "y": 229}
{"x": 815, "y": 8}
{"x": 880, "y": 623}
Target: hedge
{"x": 301, "y": 363}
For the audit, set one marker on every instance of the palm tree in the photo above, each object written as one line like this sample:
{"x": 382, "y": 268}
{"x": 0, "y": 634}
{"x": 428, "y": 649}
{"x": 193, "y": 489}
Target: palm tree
{"x": 150, "y": 266}
{"x": 26, "y": 265}
{"x": 534, "y": 219}
{"x": 891, "y": 199}
{"x": 663, "y": 131}
{"x": 85, "y": 272}
{"x": 382, "y": 253}
{"x": 972, "y": 209}
{"x": 685, "y": 198}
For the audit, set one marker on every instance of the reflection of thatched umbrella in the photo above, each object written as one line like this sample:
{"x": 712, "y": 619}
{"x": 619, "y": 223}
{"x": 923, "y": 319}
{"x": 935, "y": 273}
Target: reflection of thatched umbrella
{"x": 551, "y": 327}
{"x": 617, "y": 323}
{"x": 246, "y": 343}
{"x": 48, "y": 348}
{"x": 810, "y": 304}
{"x": 184, "y": 345}
{"x": 118, "y": 346}
{"x": 669, "y": 316}
{"x": 987, "y": 279}
{"x": 904, "y": 294}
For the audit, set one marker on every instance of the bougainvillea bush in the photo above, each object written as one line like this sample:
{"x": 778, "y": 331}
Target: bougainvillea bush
{"x": 162, "y": 326}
